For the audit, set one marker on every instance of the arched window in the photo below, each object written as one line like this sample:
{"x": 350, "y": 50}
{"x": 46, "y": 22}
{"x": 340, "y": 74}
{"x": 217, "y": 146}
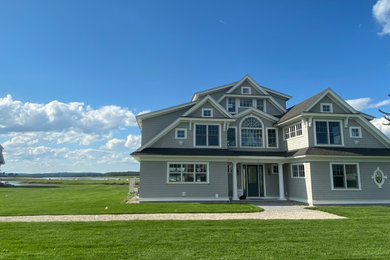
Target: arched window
{"x": 251, "y": 132}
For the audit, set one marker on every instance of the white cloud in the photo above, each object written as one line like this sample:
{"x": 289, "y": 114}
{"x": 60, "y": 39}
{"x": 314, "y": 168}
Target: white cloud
{"x": 57, "y": 116}
{"x": 381, "y": 11}
{"x": 365, "y": 103}
{"x": 114, "y": 143}
{"x": 380, "y": 123}
{"x": 133, "y": 141}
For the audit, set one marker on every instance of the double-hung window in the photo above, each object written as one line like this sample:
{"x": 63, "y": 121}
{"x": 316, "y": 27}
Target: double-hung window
{"x": 328, "y": 133}
{"x": 297, "y": 171}
{"x": 272, "y": 138}
{"x": 231, "y": 137}
{"x": 345, "y": 176}
{"x": 187, "y": 172}
{"x": 246, "y": 102}
{"x": 231, "y": 105}
{"x": 207, "y": 135}
{"x": 260, "y": 104}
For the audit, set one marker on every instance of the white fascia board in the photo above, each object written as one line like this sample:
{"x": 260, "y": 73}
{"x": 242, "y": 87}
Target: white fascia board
{"x": 197, "y": 158}
{"x": 333, "y": 94}
{"x": 162, "y": 133}
{"x": 207, "y": 91}
{"x": 338, "y": 158}
{"x": 247, "y": 77}
{"x": 162, "y": 112}
{"x": 258, "y": 112}
{"x": 287, "y": 122}
{"x": 206, "y": 119}
{"x": 277, "y": 93}
{"x": 213, "y": 102}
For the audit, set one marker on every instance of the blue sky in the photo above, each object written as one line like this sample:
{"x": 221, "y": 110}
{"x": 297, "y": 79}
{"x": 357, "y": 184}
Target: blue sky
{"x": 73, "y": 74}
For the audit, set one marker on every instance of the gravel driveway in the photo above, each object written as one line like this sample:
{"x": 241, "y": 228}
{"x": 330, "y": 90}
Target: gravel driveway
{"x": 272, "y": 210}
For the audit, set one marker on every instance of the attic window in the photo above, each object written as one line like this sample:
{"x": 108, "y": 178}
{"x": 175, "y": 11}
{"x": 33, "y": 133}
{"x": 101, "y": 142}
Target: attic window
{"x": 246, "y": 90}
{"x": 207, "y": 112}
{"x": 326, "y": 108}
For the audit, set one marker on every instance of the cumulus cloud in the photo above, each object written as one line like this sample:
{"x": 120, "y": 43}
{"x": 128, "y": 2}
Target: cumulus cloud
{"x": 381, "y": 12}
{"x": 57, "y": 116}
{"x": 114, "y": 143}
{"x": 365, "y": 103}
{"x": 380, "y": 123}
{"x": 133, "y": 141}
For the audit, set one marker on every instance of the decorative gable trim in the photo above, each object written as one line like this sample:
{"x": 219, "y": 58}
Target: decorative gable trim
{"x": 253, "y": 110}
{"x": 251, "y": 81}
{"x": 213, "y": 102}
{"x": 336, "y": 98}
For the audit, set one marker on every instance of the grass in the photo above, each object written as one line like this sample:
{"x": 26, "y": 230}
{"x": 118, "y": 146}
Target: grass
{"x": 364, "y": 235}
{"x": 93, "y": 199}
{"x": 68, "y": 181}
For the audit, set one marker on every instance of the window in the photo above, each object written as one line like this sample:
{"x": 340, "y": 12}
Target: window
{"x": 260, "y": 104}
{"x": 207, "y": 135}
{"x": 326, "y": 107}
{"x": 207, "y": 112}
{"x": 328, "y": 133}
{"x": 246, "y": 90}
{"x": 345, "y": 176}
{"x": 293, "y": 131}
{"x": 272, "y": 138}
{"x": 251, "y": 132}
{"x": 245, "y": 102}
{"x": 355, "y": 132}
{"x": 297, "y": 171}
{"x": 181, "y": 133}
{"x": 231, "y": 137}
{"x": 275, "y": 169}
{"x": 231, "y": 105}
{"x": 188, "y": 173}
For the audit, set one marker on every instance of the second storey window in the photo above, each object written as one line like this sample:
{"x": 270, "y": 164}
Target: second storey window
{"x": 207, "y": 135}
{"x": 232, "y": 105}
{"x": 246, "y": 102}
{"x": 328, "y": 133}
{"x": 260, "y": 104}
{"x": 272, "y": 137}
{"x": 231, "y": 137}
{"x": 251, "y": 132}
{"x": 293, "y": 131}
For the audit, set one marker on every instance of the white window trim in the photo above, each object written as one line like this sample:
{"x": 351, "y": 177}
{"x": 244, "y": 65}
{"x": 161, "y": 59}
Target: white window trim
{"x": 297, "y": 177}
{"x": 264, "y": 103}
{"x": 327, "y": 121}
{"x": 235, "y": 106}
{"x": 262, "y": 136}
{"x": 326, "y": 104}
{"x": 181, "y": 129}
{"x": 207, "y": 135}
{"x": 184, "y": 183}
{"x": 296, "y": 136}
{"x": 344, "y": 189}
{"x": 249, "y": 90}
{"x": 235, "y": 127}
{"x": 355, "y": 127}
{"x": 277, "y": 137}
{"x": 207, "y": 109}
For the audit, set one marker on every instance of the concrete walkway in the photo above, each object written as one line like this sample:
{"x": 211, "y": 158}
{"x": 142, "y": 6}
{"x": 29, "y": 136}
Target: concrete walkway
{"x": 272, "y": 210}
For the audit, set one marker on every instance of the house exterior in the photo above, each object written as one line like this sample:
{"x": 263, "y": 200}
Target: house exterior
{"x": 239, "y": 141}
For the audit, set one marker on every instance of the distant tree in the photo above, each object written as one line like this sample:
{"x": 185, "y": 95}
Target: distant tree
{"x": 386, "y": 115}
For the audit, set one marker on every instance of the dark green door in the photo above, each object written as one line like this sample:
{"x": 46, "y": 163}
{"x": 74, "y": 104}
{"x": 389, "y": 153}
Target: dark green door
{"x": 253, "y": 181}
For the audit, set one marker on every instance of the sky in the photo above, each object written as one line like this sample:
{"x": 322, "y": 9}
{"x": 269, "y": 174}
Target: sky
{"x": 74, "y": 74}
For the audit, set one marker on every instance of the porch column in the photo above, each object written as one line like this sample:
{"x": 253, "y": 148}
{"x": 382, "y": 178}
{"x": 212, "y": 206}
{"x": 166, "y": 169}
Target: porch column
{"x": 235, "y": 197}
{"x": 281, "y": 182}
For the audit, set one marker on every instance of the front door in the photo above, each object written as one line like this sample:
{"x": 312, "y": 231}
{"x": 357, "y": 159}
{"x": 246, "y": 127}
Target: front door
{"x": 253, "y": 181}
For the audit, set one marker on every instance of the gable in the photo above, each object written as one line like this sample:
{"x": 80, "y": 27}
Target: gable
{"x": 207, "y": 105}
{"x": 337, "y": 107}
{"x": 246, "y": 84}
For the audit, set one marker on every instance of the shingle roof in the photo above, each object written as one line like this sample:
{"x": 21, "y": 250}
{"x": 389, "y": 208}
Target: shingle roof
{"x": 335, "y": 151}
{"x": 300, "y": 107}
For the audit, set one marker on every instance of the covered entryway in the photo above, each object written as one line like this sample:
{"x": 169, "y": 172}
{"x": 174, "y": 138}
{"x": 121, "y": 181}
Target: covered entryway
{"x": 253, "y": 176}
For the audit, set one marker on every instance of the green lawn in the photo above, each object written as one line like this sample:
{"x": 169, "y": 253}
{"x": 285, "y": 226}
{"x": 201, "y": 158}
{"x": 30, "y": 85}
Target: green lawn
{"x": 364, "y": 235}
{"x": 93, "y": 199}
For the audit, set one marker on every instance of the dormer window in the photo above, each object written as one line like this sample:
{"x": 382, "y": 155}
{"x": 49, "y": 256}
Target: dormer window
{"x": 326, "y": 108}
{"x": 246, "y": 90}
{"x": 207, "y": 112}
{"x": 244, "y": 102}
{"x": 260, "y": 104}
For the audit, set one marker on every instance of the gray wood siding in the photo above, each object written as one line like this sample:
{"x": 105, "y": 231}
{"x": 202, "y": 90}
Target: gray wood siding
{"x": 271, "y": 182}
{"x": 321, "y": 183}
{"x": 246, "y": 84}
{"x": 153, "y": 126}
{"x": 296, "y": 187}
{"x": 198, "y": 112}
{"x": 169, "y": 140}
{"x": 336, "y": 108}
{"x": 153, "y": 181}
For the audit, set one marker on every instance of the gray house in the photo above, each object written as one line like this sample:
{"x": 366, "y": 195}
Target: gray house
{"x": 239, "y": 141}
